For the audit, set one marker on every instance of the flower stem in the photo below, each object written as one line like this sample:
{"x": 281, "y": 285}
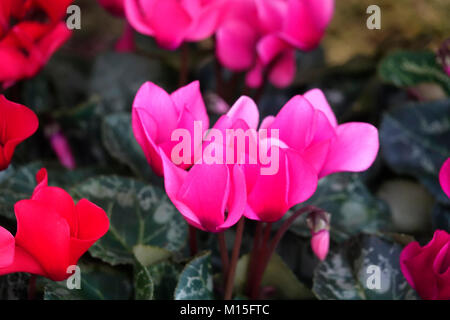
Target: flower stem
{"x": 184, "y": 66}
{"x": 253, "y": 256}
{"x": 32, "y": 287}
{"x": 193, "y": 240}
{"x": 261, "y": 259}
{"x": 224, "y": 255}
{"x": 234, "y": 259}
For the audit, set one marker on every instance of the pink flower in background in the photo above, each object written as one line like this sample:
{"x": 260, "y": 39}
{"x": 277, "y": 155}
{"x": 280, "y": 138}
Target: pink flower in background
{"x": 327, "y": 146}
{"x": 117, "y": 8}
{"x": 427, "y": 268}
{"x": 172, "y": 22}
{"x": 444, "y": 177}
{"x": 156, "y": 114}
{"x": 205, "y": 193}
{"x": 261, "y": 36}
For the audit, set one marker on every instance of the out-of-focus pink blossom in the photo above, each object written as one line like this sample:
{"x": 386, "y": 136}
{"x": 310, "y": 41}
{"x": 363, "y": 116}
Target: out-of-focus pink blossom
{"x": 172, "y": 22}
{"x": 261, "y": 36}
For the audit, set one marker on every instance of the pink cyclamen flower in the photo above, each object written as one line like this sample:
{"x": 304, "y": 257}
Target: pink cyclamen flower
{"x": 172, "y": 22}
{"x": 274, "y": 184}
{"x": 444, "y": 177}
{"x": 61, "y": 146}
{"x": 156, "y": 115}
{"x": 261, "y": 36}
{"x": 205, "y": 193}
{"x": 327, "y": 146}
{"x": 427, "y": 268}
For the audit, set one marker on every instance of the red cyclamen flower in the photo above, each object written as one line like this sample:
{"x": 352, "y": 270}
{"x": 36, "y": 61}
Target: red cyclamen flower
{"x": 17, "y": 123}
{"x": 52, "y": 232}
{"x": 30, "y": 32}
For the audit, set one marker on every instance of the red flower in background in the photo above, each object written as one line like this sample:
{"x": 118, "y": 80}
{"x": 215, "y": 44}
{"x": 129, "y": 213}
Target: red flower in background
{"x": 30, "y": 32}
{"x": 52, "y": 232}
{"x": 17, "y": 123}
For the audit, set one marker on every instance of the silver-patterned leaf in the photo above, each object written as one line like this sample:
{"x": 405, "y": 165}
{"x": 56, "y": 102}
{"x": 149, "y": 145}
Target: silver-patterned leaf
{"x": 196, "y": 280}
{"x": 139, "y": 214}
{"x": 365, "y": 268}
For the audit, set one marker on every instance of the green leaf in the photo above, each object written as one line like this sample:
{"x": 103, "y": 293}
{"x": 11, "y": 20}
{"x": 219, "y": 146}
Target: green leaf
{"x": 415, "y": 140}
{"x": 196, "y": 280}
{"x": 408, "y": 68}
{"x": 143, "y": 283}
{"x": 352, "y": 207}
{"x": 95, "y": 285}
{"x": 441, "y": 217}
{"x": 119, "y": 140}
{"x": 14, "y": 286}
{"x": 165, "y": 278}
{"x": 139, "y": 214}
{"x": 116, "y": 78}
{"x": 148, "y": 255}
{"x": 277, "y": 275}
{"x": 345, "y": 274}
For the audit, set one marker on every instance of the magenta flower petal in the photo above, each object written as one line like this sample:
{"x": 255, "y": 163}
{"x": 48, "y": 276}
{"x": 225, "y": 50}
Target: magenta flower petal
{"x": 444, "y": 177}
{"x": 170, "y": 23}
{"x": 354, "y": 149}
{"x": 302, "y": 178}
{"x": 207, "y": 19}
{"x": 297, "y": 115}
{"x": 271, "y": 14}
{"x": 245, "y": 108}
{"x": 235, "y": 45}
{"x": 267, "y": 122}
{"x": 427, "y": 268}
{"x": 319, "y": 102}
{"x": 320, "y": 243}
{"x": 136, "y": 16}
{"x": 237, "y": 200}
{"x": 269, "y": 47}
{"x": 190, "y": 97}
{"x": 306, "y": 22}
{"x": 283, "y": 71}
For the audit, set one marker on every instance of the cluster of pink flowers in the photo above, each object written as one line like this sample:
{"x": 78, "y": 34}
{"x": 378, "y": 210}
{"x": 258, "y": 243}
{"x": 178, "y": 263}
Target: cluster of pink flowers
{"x": 213, "y": 197}
{"x": 257, "y": 36}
